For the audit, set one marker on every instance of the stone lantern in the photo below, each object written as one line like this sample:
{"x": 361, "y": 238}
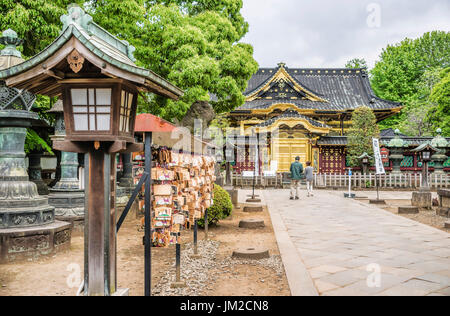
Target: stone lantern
{"x": 66, "y": 195}
{"x": 396, "y": 146}
{"x": 27, "y": 222}
{"x": 365, "y": 162}
{"x": 439, "y": 158}
{"x": 423, "y": 198}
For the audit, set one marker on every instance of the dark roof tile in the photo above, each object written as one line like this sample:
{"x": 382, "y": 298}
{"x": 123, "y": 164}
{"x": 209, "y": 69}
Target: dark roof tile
{"x": 343, "y": 89}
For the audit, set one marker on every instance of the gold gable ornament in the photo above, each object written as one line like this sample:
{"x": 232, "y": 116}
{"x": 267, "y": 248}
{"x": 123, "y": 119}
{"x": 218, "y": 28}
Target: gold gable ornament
{"x": 75, "y": 61}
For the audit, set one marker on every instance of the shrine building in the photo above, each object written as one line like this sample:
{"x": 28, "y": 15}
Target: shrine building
{"x": 302, "y": 112}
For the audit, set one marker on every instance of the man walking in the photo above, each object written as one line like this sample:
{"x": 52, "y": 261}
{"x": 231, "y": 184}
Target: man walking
{"x": 296, "y": 176}
{"x": 309, "y": 175}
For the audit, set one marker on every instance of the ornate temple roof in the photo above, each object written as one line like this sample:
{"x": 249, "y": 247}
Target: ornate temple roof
{"x": 317, "y": 89}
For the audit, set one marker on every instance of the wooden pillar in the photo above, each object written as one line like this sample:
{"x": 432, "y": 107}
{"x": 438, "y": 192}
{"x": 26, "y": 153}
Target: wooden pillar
{"x": 148, "y": 216}
{"x": 100, "y": 226}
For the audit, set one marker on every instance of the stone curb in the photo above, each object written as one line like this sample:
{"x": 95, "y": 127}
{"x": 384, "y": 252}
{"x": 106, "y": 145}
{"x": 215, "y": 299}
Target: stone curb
{"x": 253, "y": 209}
{"x": 408, "y": 210}
{"x": 251, "y": 253}
{"x": 252, "y": 223}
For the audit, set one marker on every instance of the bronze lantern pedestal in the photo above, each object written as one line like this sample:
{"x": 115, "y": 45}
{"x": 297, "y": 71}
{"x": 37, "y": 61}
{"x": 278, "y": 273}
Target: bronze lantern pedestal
{"x": 28, "y": 228}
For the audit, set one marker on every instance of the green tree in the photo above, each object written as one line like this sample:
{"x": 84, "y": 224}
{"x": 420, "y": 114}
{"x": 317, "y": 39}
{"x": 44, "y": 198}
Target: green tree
{"x": 194, "y": 44}
{"x": 441, "y": 96}
{"x": 400, "y": 73}
{"x": 230, "y": 9}
{"x": 364, "y": 128}
{"x": 37, "y": 23}
{"x": 417, "y": 120}
{"x": 356, "y": 63}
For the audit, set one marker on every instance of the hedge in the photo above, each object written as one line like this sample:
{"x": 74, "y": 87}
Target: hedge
{"x": 221, "y": 208}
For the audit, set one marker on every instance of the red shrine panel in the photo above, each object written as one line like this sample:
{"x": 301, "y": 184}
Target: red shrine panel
{"x": 245, "y": 159}
{"x": 332, "y": 160}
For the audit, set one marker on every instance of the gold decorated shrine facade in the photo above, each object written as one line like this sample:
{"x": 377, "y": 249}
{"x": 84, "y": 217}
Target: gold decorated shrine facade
{"x": 301, "y": 112}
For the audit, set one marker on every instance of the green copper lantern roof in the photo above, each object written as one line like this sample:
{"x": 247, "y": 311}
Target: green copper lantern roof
{"x": 397, "y": 142}
{"x": 99, "y": 42}
{"x": 425, "y": 146}
{"x": 11, "y": 41}
{"x": 365, "y": 155}
{"x": 83, "y": 21}
{"x": 12, "y": 99}
{"x": 439, "y": 141}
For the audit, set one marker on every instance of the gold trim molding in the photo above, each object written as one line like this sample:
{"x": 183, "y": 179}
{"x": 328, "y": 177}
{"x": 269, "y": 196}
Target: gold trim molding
{"x": 291, "y": 122}
{"x": 282, "y": 74}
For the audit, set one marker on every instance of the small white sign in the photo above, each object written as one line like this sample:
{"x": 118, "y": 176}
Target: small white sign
{"x": 378, "y": 159}
{"x": 178, "y": 219}
{"x": 248, "y": 174}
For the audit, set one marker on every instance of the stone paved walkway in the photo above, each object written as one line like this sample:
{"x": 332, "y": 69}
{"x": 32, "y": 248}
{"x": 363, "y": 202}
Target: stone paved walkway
{"x": 345, "y": 243}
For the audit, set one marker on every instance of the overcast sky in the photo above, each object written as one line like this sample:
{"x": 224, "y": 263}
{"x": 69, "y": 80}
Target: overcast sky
{"x": 328, "y": 33}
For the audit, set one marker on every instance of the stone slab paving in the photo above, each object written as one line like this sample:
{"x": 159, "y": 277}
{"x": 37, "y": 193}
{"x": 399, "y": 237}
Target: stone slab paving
{"x": 351, "y": 248}
{"x": 299, "y": 279}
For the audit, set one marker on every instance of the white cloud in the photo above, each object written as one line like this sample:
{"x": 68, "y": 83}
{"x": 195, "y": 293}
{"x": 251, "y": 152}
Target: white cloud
{"x": 328, "y": 33}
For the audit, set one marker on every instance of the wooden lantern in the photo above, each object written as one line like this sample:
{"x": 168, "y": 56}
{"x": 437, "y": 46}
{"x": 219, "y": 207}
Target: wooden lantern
{"x": 100, "y": 110}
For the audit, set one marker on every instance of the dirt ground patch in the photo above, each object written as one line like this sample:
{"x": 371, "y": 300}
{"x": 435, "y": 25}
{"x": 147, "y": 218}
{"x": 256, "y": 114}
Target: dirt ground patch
{"x": 249, "y": 278}
{"x": 50, "y": 276}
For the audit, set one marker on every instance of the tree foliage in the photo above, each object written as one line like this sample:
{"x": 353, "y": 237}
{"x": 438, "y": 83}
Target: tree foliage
{"x": 406, "y": 73}
{"x": 356, "y": 63}
{"x": 364, "y": 128}
{"x": 194, "y": 44}
{"x": 230, "y": 9}
{"x": 38, "y": 23}
{"x": 35, "y": 21}
{"x": 441, "y": 96}
{"x": 35, "y": 143}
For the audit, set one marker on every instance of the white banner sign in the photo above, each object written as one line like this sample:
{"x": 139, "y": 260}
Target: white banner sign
{"x": 378, "y": 161}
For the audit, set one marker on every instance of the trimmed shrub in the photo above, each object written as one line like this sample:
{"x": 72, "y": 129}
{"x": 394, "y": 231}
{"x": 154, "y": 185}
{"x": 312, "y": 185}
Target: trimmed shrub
{"x": 221, "y": 208}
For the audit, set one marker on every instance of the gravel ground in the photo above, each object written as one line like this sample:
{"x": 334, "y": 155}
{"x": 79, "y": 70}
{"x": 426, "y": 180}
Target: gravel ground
{"x": 193, "y": 271}
{"x": 198, "y": 275}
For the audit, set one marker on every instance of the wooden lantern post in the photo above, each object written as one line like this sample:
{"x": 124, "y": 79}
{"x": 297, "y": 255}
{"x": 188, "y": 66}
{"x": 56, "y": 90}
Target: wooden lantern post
{"x": 94, "y": 74}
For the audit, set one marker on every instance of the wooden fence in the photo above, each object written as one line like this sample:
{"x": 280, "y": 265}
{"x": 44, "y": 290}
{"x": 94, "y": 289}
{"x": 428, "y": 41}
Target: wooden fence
{"x": 403, "y": 180}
